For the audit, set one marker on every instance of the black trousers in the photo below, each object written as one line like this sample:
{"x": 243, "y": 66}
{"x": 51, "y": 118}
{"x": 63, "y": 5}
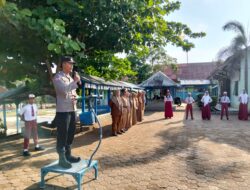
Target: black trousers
{"x": 66, "y": 125}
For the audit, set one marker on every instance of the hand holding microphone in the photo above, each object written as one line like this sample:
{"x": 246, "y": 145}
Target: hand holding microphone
{"x": 77, "y": 78}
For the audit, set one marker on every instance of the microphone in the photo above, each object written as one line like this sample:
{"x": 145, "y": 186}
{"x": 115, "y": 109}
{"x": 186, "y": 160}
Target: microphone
{"x": 74, "y": 72}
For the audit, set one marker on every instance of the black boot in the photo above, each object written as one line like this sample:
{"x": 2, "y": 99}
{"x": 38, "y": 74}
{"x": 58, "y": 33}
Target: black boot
{"x": 71, "y": 158}
{"x": 63, "y": 162}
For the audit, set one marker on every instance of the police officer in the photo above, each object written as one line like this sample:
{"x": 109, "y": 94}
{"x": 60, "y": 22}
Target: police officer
{"x": 66, "y": 98}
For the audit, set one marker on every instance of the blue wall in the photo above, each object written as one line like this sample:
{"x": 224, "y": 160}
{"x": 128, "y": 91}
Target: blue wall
{"x": 183, "y": 91}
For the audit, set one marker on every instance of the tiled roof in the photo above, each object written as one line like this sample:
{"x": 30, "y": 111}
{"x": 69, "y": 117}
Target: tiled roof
{"x": 191, "y": 71}
{"x": 92, "y": 82}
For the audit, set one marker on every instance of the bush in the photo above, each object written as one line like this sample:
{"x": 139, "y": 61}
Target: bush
{"x": 2, "y": 129}
{"x": 214, "y": 102}
{"x": 1, "y": 124}
{"x": 198, "y": 100}
{"x": 212, "y": 105}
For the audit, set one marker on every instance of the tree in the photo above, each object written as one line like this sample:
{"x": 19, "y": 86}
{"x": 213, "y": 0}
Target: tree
{"x": 29, "y": 57}
{"x": 143, "y": 71}
{"x": 91, "y": 31}
{"x": 159, "y": 59}
{"x": 159, "y": 56}
{"x": 238, "y": 48}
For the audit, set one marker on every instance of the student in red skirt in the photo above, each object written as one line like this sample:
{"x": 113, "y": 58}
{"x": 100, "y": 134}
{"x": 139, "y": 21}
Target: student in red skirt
{"x": 168, "y": 100}
{"x": 224, "y": 100}
{"x": 243, "y": 99}
{"x": 189, "y": 108}
{"x": 206, "y": 100}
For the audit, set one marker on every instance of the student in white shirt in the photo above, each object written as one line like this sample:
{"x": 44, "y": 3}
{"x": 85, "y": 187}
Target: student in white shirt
{"x": 189, "y": 108}
{"x": 206, "y": 100}
{"x": 224, "y": 100}
{"x": 168, "y": 105}
{"x": 29, "y": 114}
{"x": 243, "y": 99}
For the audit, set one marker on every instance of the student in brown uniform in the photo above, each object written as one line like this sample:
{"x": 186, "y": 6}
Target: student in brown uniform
{"x": 140, "y": 107}
{"x": 116, "y": 111}
{"x": 143, "y": 97}
{"x": 134, "y": 108}
{"x": 124, "y": 117}
{"x": 130, "y": 106}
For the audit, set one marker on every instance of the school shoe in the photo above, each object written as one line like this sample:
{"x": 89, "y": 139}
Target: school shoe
{"x": 40, "y": 148}
{"x": 26, "y": 153}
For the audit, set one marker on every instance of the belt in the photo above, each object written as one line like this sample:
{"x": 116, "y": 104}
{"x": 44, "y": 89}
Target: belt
{"x": 125, "y": 106}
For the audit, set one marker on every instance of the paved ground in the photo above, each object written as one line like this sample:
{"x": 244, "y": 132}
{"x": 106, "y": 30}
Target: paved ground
{"x": 155, "y": 154}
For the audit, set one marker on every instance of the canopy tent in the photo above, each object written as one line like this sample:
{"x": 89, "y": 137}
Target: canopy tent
{"x": 15, "y": 95}
{"x": 158, "y": 80}
{"x": 157, "y": 84}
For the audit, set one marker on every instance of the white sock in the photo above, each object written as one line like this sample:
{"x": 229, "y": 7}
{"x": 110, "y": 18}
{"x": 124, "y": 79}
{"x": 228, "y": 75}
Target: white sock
{"x": 25, "y": 150}
{"x": 37, "y": 146}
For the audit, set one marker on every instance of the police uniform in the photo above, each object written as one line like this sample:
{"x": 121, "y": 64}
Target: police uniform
{"x": 66, "y": 98}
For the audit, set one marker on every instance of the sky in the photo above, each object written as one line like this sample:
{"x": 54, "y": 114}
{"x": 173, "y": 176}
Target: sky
{"x": 208, "y": 16}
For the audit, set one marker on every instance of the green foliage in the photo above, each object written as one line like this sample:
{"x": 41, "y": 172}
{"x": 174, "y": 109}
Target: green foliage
{"x": 91, "y": 31}
{"x": 143, "y": 71}
{"x": 1, "y": 124}
{"x": 105, "y": 64}
{"x": 163, "y": 61}
{"x": 198, "y": 100}
{"x": 212, "y": 104}
{"x": 2, "y": 3}
{"x": 214, "y": 101}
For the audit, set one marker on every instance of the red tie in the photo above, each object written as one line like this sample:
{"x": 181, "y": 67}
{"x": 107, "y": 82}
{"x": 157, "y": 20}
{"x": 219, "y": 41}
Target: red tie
{"x": 32, "y": 111}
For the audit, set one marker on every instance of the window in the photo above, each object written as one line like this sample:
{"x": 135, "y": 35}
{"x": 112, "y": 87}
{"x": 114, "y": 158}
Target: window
{"x": 236, "y": 86}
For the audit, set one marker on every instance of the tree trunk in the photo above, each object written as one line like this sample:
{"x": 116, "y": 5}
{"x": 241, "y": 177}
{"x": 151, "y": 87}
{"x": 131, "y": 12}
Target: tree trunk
{"x": 246, "y": 72}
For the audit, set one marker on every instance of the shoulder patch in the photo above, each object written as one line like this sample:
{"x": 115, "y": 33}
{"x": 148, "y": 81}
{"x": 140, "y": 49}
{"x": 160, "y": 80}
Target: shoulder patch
{"x": 57, "y": 77}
